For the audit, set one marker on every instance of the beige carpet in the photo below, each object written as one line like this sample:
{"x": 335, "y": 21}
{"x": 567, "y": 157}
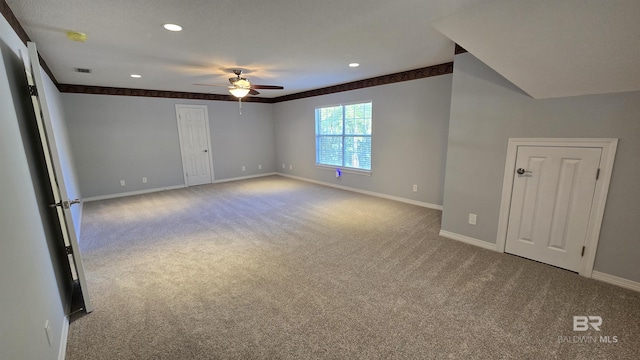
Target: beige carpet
{"x": 274, "y": 268}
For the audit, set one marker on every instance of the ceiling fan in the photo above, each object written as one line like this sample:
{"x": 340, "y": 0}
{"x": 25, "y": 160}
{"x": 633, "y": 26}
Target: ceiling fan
{"x": 240, "y": 86}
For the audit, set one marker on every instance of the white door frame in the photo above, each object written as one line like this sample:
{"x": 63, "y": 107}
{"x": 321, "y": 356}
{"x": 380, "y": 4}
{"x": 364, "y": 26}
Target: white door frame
{"x": 62, "y": 203}
{"x": 608, "y": 147}
{"x": 210, "y": 152}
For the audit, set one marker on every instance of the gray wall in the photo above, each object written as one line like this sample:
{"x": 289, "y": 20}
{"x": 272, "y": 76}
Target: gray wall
{"x": 486, "y": 110}
{"x": 409, "y": 133}
{"x": 30, "y": 294}
{"x": 126, "y": 138}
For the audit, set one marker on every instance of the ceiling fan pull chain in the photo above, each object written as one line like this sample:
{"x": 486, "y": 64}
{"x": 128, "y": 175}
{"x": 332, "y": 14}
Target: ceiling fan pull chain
{"x": 240, "y": 105}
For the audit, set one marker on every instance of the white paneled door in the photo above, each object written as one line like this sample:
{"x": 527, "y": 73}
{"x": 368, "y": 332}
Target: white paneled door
{"x": 551, "y": 202}
{"x": 195, "y": 144}
{"x": 56, "y": 176}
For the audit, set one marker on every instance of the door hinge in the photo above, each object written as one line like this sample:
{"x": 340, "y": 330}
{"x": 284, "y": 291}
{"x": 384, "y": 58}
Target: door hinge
{"x": 598, "y": 174}
{"x": 69, "y": 250}
{"x": 583, "y": 248}
{"x": 33, "y": 90}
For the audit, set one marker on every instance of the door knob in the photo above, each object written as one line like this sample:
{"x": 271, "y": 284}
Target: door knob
{"x": 522, "y": 171}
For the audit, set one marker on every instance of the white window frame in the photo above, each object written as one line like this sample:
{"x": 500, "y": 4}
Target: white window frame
{"x": 345, "y": 169}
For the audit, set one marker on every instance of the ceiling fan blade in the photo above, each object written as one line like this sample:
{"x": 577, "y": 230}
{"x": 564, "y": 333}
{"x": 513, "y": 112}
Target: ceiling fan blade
{"x": 253, "y": 92}
{"x": 267, "y": 87}
{"x": 209, "y": 85}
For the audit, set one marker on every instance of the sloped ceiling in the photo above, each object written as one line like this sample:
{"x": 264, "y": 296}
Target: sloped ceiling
{"x": 554, "y": 48}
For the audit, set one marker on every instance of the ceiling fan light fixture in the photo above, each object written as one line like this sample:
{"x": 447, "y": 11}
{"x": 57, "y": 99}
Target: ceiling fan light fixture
{"x": 239, "y": 92}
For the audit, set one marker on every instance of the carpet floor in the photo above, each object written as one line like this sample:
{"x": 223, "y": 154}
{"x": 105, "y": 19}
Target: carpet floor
{"x": 275, "y": 268}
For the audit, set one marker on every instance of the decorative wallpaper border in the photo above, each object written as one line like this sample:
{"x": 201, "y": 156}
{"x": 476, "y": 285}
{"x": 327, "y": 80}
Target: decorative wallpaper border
{"x": 442, "y": 69}
{"x": 8, "y": 14}
{"x": 459, "y": 50}
{"x": 429, "y": 71}
{"x": 103, "y": 90}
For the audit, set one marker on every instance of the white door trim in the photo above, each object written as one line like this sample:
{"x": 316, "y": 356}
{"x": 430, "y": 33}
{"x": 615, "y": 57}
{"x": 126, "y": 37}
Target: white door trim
{"x": 608, "y": 147}
{"x": 54, "y": 168}
{"x": 206, "y": 116}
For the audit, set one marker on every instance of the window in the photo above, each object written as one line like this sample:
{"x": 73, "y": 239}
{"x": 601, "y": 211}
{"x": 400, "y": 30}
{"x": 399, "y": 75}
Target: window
{"x": 343, "y": 136}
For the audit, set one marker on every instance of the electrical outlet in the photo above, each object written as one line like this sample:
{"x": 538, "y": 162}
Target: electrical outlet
{"x": 243, "y": 168}
{"x": 283, "y": 166}
{"x": 260, "y": 167}
{"x": 290, "y": 167}
{"x": 415, "y": 188}
{"x": 144, "y": 180}
{"x": 121, "y": 182}
{"x": 473, "y": 218}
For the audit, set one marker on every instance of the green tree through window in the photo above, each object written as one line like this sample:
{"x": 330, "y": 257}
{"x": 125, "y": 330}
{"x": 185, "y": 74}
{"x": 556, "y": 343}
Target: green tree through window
{"x": 343, "y": 136}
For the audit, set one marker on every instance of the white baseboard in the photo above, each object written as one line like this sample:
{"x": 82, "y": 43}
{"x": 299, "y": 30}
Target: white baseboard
{"x": 62, "y": 353}
{"x": 243, "y": 178}
{"x": 596, "y": 275}
{"x": 614, "y": 280}
{"x": 366, "y": 192}
{"x": 468, "y": 240}
{"x": 146, "y": 191}
{"x": 131, "y": 193}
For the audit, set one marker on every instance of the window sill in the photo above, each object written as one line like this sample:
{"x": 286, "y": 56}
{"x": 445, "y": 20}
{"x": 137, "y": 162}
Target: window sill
{"x": 345, "y": 170}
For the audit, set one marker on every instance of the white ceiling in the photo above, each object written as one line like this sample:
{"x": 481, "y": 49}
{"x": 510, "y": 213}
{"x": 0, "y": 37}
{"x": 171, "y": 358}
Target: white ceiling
{"x": 300, "y": 44}
{"x": 554, "y": 48}
{"x": 549, "y": 48}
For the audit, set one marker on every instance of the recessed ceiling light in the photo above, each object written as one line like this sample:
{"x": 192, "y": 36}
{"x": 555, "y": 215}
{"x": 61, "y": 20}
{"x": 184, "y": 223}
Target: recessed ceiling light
{"x": 135, "y": 76}
{"x": 172, "y": 27}
{"x": 354, "y": 65}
